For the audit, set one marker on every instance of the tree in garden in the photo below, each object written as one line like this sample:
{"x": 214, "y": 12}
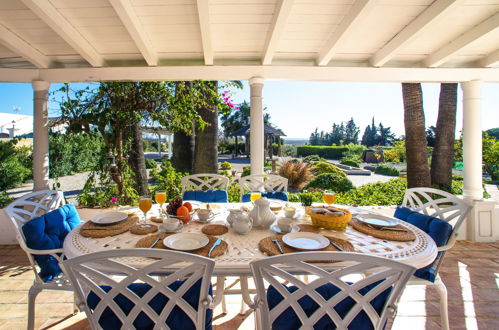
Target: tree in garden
{"x": 418, "y": 172}
{"x": 442, "y": 159}
{"x": 314, "y": 138}
{"x": 490, "y": 156}
{"x": 351, "y": 132}
{"x": 385, "y": 136}
{"x": 236, "y": 119}
{"x": 337, "y": 135}
{"x": 369, "y": 136}
{"x": 431, "y": 136}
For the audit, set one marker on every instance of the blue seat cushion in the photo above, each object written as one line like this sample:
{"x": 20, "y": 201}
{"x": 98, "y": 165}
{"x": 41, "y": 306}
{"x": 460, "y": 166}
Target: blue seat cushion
{"x": 177, "y": 319}
{"x": 207, "y": 196}
{"x": 47, "y": 232}
{"x": 289, "y": 320}
{"x": 439, "y": 230}
{"x": 282, "y": 195}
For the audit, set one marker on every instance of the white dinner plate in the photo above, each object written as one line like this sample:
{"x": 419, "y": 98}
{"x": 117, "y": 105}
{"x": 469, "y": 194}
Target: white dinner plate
{"x": 305, "y": 241}
{"x": 108, "y": 218}
{"x": 186, "y": 241}
{"x": 377, "y": 220}
{"x": 195, "y": 204}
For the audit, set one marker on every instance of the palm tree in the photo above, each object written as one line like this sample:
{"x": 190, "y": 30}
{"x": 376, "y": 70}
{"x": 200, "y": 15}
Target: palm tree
{"x": 443, "y": 153}
{"x": 418, "y": 172}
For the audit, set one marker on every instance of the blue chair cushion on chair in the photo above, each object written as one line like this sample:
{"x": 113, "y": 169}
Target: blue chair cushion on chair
{"x": 288, "y": 319}
{"x": 282, "y": 195}
{"x": 177, "y": 319}
{"x": 47, "y": 232}
{"x": 207, "y": 196}
{"x": 439, "y": 230}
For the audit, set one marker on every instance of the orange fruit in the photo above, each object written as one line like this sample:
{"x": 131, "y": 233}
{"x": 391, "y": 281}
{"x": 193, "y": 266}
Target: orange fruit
{"x": 183, "y": 214}
{"x": 188, "y": 205}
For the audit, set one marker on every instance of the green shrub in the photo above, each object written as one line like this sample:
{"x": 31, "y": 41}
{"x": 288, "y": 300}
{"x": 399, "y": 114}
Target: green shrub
{"x": 312, "y": 159}
{"x": 288, "y": 150}
{"x": 354, "y": 151}
{"x": 228, "y": 147}
{"x": 323, "y": 168}
{"x": 246, "y": 171}
{"x": 387, "y": 170}
{"x": 334, "y": 152}
{"x": 306, "y": 196}
{"x": 13, "y": 161}
{"x": 5, "y": 199}
{"x": 234, "y": 192}
{"x": 226, "y": 166}
{"x": 331, "y": 181}
{"x": 168, "y": 179}
{"x": 379, "y": 193}
{"x": 224, "y": 172}
{"x": 349, "y": 162}
{"x": 151, "y": 163}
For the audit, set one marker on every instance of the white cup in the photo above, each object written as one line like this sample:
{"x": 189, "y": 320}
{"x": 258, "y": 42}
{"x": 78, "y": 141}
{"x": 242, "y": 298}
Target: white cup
{"x": 170, "y": 224}
{"x": 289, "y": 211}
{"x": 204, "y": 214}
{"x": 284, "y": 224}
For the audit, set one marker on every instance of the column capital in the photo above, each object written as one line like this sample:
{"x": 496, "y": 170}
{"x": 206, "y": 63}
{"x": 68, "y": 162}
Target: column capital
{"x": 40, "y": 85}
{"x": 256, "y": 80}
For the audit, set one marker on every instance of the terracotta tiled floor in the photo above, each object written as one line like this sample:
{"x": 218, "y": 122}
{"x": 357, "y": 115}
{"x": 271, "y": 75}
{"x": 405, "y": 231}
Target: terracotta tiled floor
{"x": 470, "y": 272}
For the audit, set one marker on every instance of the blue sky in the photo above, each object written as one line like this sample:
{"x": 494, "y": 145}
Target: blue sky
{"x": 299, "y": 107}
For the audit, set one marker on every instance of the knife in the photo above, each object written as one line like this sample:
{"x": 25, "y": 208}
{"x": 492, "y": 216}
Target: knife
{"x": 387, "y": 228}
{"x": 155, "y": 241}
{"x": 217, "y": 243}
{"x": 276, "y": 242}
{"x": 333, "y": 243}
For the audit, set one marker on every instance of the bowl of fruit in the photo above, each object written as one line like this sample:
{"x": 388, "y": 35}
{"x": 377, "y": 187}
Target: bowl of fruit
{"x": 179, "y": 209}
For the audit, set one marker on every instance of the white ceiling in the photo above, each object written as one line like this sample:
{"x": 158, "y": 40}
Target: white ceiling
{"x": 55, "y": 34}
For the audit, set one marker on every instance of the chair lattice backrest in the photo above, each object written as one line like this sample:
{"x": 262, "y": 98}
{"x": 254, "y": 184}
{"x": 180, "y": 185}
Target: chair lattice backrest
{"x": 437, "y": 203}
{"x": 276, "y": 271}
{"x": 89, "y": 273}
{"x": 263, "y": 183}
{"x": 204, "y": 181}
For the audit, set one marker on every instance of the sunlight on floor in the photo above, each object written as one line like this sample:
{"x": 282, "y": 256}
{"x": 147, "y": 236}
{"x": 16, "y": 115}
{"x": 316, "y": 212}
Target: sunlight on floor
{"x": 467, "y": 294}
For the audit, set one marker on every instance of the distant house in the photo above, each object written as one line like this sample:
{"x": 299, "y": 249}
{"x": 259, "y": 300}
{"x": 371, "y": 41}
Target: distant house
{"x": 12, "y": 125}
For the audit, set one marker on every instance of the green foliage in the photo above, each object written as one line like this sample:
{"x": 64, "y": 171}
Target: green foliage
{"x": 168, "y": 179}
{"x": 288, "y": 150}
{"x": 74, "y": 153}
{"x": 5, "y": 199}
{"x": 354, "y": 151}
{"x": 331, "y": 181}
{"x": 490, "y": 156}
{"x": 493, "y": 132}
{"x": 334, "y": 152}
{"x": 397, "y": 153}
{"x": 379, "y": 193}
{"x": 246, "y": 171}
{"x": 226, "y": 166}
{"x": 306, "y": 197}
{"x": 13, "y": 161}
{"x": 229, "y": 147}
{"x": 151, "y": 163}
{"x": 387, "y": 170}
{"x": 349, "y": 162}
{"x": 313, "y": 158}
{"x": 234, "y": 192}
{"x": 324, "y": 167}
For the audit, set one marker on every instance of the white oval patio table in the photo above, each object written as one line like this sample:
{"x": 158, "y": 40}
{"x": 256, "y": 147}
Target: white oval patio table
{"x": 242, "y": 249}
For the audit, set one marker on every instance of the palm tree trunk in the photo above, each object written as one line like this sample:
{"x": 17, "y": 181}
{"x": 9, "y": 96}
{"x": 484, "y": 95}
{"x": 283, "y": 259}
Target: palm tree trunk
{"x": 206, "y": 153}
{"x": 418, "y": 172}
{"x": 443, "y": 153}
{"x": 137, "y": 160}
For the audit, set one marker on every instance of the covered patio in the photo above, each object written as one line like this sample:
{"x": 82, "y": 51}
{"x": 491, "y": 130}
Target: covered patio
{"x": 54, "y": 41}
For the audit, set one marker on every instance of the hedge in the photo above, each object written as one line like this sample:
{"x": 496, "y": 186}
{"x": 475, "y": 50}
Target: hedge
{"x": 334, "y": 152}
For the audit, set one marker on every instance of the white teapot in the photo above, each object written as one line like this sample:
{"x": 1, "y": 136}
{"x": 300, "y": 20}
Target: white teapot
{"x": 242, "y": 223}
{"x": 261, "y": 214}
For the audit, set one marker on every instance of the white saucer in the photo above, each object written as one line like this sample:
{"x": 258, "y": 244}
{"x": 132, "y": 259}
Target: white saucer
{"x": 276, "y": 230}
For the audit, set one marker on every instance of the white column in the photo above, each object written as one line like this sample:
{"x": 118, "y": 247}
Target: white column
{"x": 40, "y": 135}
{"x": 256, "y": 126}
{"x": 472, "y": 140}
{"x": 159, "y": 145}
{"x": 170, "y": 146}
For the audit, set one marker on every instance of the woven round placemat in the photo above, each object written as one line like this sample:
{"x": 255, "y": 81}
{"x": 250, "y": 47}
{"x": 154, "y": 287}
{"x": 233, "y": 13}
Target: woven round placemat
{"x": 90, "y": 229}
{"x": 214, "y": 229}
{"x": 303, "y": 227}
{"x": 139, "y": 230}
{"x": 391, "y": 235}
{"x": 217, "y": 251}
{"x": 157, "y": 219}
{"x": 270, "y": 248}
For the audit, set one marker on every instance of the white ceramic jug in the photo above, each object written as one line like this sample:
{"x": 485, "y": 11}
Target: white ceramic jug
{"x": 242, "y": 223}
{"x": 261, "y": 214}
{"x": 233, "y": 213}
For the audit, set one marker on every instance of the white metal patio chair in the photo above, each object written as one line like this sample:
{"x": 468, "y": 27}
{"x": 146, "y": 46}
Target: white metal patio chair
{"x": 262, "y": 183}
{"x": 21, "y": 211}
{"x": 447, "y": 207}
{"x": 204, "y": 181}
{"x": 327, "y": 298}
{"x": 148, "y": 296}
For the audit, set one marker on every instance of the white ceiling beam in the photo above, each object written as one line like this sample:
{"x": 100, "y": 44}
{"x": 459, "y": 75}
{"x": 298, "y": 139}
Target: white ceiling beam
{"x": 276, "y": 30}
{"x": 412, "y": 30}
{"x": 204, "y": 26}
{"x": 131, "y": 22}
{"x": 359, "y": 9}
{"x": 245, "y": 72}
{"x": 54, "y": 19}
{"x": 13, "y": 42}
{"x": 491, "y": 60}
{"x": 445, "y": 53}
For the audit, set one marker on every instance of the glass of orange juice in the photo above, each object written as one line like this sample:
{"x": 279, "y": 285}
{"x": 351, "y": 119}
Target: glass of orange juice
{"x": 145, "y": 204}
{"x": 255, "y": 195}
{"x": 160, "y": 197}
{"x": 329, "y": 197}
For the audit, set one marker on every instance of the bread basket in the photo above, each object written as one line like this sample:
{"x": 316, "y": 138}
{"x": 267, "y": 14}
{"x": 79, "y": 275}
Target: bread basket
{"x": 329, "y": 222}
